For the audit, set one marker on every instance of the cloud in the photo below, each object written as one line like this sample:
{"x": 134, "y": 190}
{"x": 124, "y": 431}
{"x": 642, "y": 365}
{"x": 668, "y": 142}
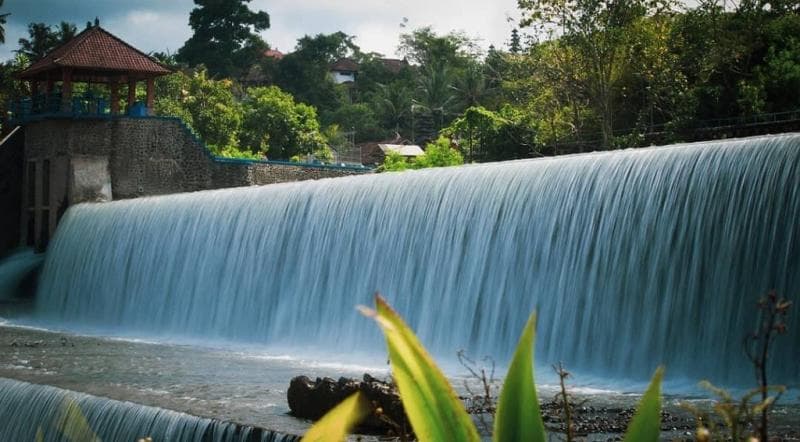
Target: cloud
{"x": 159, "y": 25}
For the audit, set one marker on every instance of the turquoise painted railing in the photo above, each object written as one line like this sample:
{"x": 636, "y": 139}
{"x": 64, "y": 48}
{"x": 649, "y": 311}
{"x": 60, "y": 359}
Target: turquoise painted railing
{"x": 51, "y": 105}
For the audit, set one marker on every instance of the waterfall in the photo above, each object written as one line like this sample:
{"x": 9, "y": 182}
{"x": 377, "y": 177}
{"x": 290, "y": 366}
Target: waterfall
{"x": 48, "y": 414}
{"x": 14, "y": 269}
{"x": 632, "y": 258}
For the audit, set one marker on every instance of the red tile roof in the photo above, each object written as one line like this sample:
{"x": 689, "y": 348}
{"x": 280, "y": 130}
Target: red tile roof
{"x": 96, "y": 49}
{"x": 345, "y": 65}
{"x": 274, "y": 53}
{"x": 394, "y": 65}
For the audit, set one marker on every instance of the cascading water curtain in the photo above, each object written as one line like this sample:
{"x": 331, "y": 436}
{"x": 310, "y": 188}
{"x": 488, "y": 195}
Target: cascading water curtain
{"x": 633, "y": 258}
{"x": 31, "y": 412}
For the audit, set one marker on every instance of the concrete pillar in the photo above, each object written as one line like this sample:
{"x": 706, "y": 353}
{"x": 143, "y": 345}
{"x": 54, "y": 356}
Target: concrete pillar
{"x": 151, "y": 92}
{"x": 131, "y": 93}
{"x": 66, "y": 91}
{"x": 113, "y": 86}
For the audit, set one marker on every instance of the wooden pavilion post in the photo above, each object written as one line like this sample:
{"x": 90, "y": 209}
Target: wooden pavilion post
{"x": 113, "y": 87}
{"x": 66, "y": 91}
{"x": 151, "y": 89}
{"x": 131, "y": 93}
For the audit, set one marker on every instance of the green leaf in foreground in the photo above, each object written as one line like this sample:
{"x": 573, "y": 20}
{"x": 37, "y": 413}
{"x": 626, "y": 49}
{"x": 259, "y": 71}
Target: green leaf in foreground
{"x": 433, "y": 409}
{"x": 646, "y": 423}
{"x": 518, "y": 417}
{"x": 72, "y": 423}
{"x": 337, "y": 423}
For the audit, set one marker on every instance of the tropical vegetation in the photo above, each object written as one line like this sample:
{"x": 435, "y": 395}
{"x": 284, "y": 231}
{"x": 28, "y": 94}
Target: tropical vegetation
{"x": 572, "y": 76}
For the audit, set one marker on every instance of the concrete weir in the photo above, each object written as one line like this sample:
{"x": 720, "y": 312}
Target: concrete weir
{"x": 44, "y": 413}
{"x": 678, "y": 241}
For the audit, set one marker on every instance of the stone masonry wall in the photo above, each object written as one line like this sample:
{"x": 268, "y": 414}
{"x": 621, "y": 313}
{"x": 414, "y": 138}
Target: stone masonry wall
{"x": 155, "y": 156}
{"x": 71, "y": 160}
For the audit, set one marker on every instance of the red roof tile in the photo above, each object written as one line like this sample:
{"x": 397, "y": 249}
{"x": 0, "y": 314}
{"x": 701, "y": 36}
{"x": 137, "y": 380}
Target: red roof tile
{"x": 274, "y": 53}
{"x": 97, "y": 49}
{"x": 345, "y": 65}
{"x": 394, "y": 65}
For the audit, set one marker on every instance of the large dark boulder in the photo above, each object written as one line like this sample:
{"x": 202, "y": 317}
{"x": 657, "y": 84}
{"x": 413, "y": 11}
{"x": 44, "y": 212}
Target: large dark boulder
{"x": 312, "y": 399}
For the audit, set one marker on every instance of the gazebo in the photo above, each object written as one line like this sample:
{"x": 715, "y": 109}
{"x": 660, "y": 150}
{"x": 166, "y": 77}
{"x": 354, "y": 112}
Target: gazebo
{"x": 94, "y": 56}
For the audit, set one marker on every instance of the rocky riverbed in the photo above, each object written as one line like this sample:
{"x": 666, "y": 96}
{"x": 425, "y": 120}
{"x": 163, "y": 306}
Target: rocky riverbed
{"x": 250, "y": 387}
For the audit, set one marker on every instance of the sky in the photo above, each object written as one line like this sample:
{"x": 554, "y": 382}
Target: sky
{"x": 163, "y": 25}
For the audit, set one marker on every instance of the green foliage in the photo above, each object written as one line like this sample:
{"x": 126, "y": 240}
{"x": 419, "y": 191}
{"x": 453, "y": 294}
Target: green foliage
{"x": 437, "y": 154}
{"x": 392, "y": 103}
{"x": 577, "y": 76}
{"x": 12, "y": 90}
{"x": 394, "y": 162}
{"x": 518, "y": 415}
{"x": 434, "y": 410}
{"x": 305, "y": 73}
{"x": 426, "y": 48}
{"x": 493, "y": 136}
{"x": 598, "y": 34}
{"x": 358, "y": 118}
{"x": 275, "y": 125}
{"x": 448, "y": 78}
{"x": 207, "y": 106}
{"x": 216, "y": 114}
{"x": 739, "y": 417}
{"x": 267, "y": 121}
{"x": 43, "y": 38}
{"x": 646, "y": 423}
{"x": 337, "y": 423}
{"x": 436, "y": 413}
{"x": 225, "y": 38}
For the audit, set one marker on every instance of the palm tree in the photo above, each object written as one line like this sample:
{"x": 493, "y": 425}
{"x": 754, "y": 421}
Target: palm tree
{"x": 3, "y": 24}
{"x": 42, "y": 39}
{"x": 436, "y": 97}
{"x": 471, "y": 87}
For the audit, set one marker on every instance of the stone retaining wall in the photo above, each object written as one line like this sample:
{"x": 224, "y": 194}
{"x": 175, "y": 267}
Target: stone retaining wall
{"x": 144, "y": 156}
{"x": 154, "y": 156}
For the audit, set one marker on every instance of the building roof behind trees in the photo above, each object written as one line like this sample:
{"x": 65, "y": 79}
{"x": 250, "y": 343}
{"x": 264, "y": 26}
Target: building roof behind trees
{"x": 406, "y": 150}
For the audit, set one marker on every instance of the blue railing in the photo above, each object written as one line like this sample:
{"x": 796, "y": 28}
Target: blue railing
{"x": 51, "y": 105}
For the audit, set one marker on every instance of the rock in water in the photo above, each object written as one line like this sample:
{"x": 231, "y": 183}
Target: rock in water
{"x": 312, "y": 399}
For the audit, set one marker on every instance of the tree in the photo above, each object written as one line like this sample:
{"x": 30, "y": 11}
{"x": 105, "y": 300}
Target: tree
{"x": 515, "y": 45}
{"x": 470, "y": 88}
{"x": 492, "y": 136}
{"x": 359, "y": 118}
{"x": 11, "y": 90}
{"x": 436, "y": 100}
{"x": 275, "y": 125}
{"x": 225, "y": 38}
{"x": 438, "y": 153}
{"x": 598, "y": 32}
{"x": 445, "y": 81}
{"x": 208, "y": 106}
{"x": 424, "y": 47}
{"x": 393, "y": 103}
{"x": 43, "y": 38}
{"x": 3, "y": 18}
{"x": 305, "y": 73}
